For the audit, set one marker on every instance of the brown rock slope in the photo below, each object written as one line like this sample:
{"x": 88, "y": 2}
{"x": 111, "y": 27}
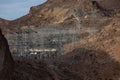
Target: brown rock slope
{"x": 90, "y": 64}
{"x": 54, "y": 12}
{"x": 96, "y": 57}
{"x": 81, "y": 64}
{"x": 106, "y": 38}
{"x": 93, "y": 58}
{"x": 3, "y": 23}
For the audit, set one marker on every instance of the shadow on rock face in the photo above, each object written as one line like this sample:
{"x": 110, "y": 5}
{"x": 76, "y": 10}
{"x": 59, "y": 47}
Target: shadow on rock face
{"x": 6, "y": 60}
{"x": 90, "y": 65}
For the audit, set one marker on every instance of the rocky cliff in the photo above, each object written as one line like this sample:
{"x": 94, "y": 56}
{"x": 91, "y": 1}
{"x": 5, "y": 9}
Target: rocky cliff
{"x": 61, "y": 11}
{"x": 94, "y": 57}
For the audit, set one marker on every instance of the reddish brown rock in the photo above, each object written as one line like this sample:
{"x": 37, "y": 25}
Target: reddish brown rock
{"x": 54, "y": 12}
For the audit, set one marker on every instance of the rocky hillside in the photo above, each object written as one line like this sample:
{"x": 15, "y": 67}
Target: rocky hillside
{"x": 65, "y": 11}
{"x": 95, "y": 57}
{"x": 3, "y": 23}
{"x": 108, "y": 40}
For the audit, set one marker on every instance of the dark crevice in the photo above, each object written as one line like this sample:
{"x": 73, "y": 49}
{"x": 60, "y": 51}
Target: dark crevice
{"x": 103, "y": 10}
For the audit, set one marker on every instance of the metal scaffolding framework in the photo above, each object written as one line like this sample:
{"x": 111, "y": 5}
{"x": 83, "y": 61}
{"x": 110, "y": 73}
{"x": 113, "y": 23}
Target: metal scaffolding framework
{"x": 24, "y": 41}
{"x": 44, "y": 43}
{"x": 48, "y": 42}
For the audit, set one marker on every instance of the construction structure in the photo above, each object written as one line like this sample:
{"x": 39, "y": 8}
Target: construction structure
{"x": 24, "y": 41}
{"x": 47, "y": 42}
{"x": 43, "y": 43}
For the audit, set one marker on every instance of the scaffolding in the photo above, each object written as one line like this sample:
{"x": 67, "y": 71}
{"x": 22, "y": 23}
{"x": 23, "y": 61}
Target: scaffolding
{"x": 43, "y": 43}
{"x": 24, "y": 41}
{"x": 48, "y": 42}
